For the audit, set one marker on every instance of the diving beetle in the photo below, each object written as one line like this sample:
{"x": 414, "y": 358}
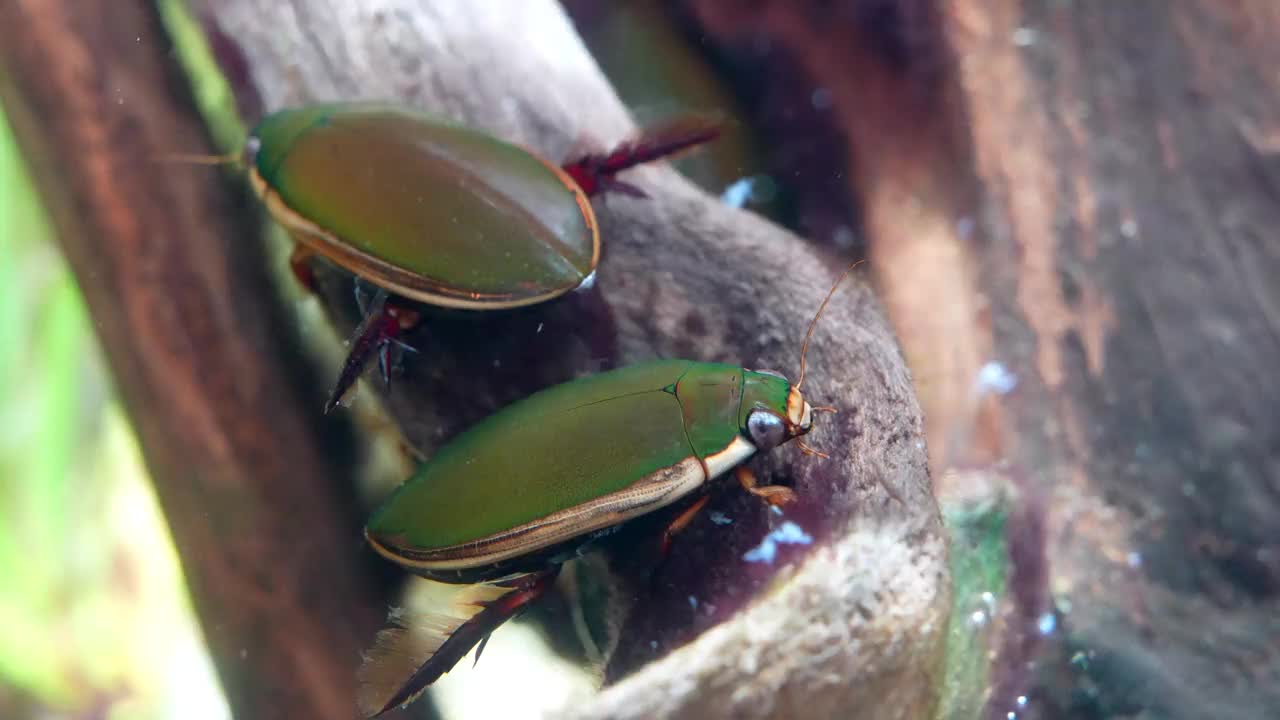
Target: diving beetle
{"x": 436, "y": 213}
{"x": 500, "y": 508}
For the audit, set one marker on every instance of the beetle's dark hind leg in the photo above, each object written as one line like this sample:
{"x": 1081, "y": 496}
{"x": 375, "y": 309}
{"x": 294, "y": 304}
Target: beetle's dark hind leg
{"x": 385, "y": 320}
{"x": 597, "y": 174}
{"x": 525, "y": 590}
{"x": 775, "y": 495}
{"x": 391, "y": 349}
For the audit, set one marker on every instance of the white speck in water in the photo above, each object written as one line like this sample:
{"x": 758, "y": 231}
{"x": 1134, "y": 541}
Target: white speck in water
{"x": 788, "y": 533}
{"x": 497, "y": 362}
{"x": 843, "y": 237}
{"x": 1024, "y": 37}
{"x": 989, "y": 600}
{"x": 1129, "y": 228}
{"x": 653, "y": 644}
{"x": 1011, "y": 715}
{"x": 1022, "y": 701}
{"x": 693, "y": 602}
{"x": 1134, "y": 559}
{"x": 995, "y": 377}
{"x": 775, "y": 509}
{"x": 1047, "y": 623}
{"x": 244, "y": 653}
{"x": 978, "y": 618}
{"x": 738, "y": 193}
{"x": 821, "y": 98}
{"x": 539, "y": 330}
{"x": 720, "y": 518}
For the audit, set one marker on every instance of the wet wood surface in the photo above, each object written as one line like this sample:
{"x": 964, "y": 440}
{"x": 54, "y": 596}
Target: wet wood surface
{"x": 227, "y": 413}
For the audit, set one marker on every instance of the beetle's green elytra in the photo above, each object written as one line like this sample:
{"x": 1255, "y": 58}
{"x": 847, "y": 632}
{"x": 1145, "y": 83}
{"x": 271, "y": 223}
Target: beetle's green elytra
{"x": 427, "y": 209}
{"x": 582, "y": 456}
{"x": 490, "y": 519}
{"x": 435, "y": 212}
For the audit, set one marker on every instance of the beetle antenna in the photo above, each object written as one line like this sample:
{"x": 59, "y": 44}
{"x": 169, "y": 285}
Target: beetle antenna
{"x": 811, "y": 451}
{"x": 804, "y": 347}
{"x": 231, "y": 158}
{"x": 825, "y": 409}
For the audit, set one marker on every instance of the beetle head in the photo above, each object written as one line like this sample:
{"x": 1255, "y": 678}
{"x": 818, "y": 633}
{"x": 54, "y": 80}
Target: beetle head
{"x": 771, "y": 424}
{"x": 773, "y": 410}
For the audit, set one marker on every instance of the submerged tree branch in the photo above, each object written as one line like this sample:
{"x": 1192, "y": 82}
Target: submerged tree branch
{"x": 682, "y": 276}
{"x": 181, "y": 302}
{"x": 256, "y": 509}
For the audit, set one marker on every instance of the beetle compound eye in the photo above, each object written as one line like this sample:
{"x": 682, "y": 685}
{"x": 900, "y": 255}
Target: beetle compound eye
{"x": 767, "y": 430}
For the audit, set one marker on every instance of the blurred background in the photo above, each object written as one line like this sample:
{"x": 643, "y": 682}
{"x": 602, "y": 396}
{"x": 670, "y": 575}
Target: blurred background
{"x": 94, "y": 615}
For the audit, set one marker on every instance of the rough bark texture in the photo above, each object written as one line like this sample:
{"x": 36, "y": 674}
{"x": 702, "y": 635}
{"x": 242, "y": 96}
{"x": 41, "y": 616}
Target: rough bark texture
{"x": 1084, "y": 193}
{"x": 182, "y": 305}
{"x": 682, "y": 276}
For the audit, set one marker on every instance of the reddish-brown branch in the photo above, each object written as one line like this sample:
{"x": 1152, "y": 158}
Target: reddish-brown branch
{"x": 265, "y": 525}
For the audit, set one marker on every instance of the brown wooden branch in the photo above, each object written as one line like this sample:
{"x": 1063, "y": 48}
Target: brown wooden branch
{"x": 682, "y": 276}
{"x": 175, "y": 279}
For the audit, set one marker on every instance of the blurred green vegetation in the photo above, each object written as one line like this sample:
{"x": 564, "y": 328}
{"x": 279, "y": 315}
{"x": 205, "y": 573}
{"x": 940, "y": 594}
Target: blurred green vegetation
{"x": 979, "y": 576}
{"x": 94, "y": 618}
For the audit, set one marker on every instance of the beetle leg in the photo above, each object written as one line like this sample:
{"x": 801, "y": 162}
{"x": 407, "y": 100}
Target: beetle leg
{"x": 681, "y": 522}
{"x": 406, "y": 347}
{"x": 367, "y": 339}
{"x": 300, "y": 264}
{"x": 775, "y": 495}
{"x": 525, "y": 589}
{"x": 363, "y": 298}
{"x": 385, "y": 320}
{"x": 480, "y": 649}
{"x": 595, "y": 173}
{"x": 384, "y": 363}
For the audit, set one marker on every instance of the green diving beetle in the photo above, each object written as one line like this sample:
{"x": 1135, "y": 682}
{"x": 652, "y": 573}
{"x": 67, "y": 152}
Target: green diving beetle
{"x": 434, "y": 212}
{"x": 499, "y": 509}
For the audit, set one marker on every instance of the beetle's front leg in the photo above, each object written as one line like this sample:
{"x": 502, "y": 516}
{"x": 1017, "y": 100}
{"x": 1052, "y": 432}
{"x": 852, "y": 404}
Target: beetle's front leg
{"x": 775, "y": 495}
